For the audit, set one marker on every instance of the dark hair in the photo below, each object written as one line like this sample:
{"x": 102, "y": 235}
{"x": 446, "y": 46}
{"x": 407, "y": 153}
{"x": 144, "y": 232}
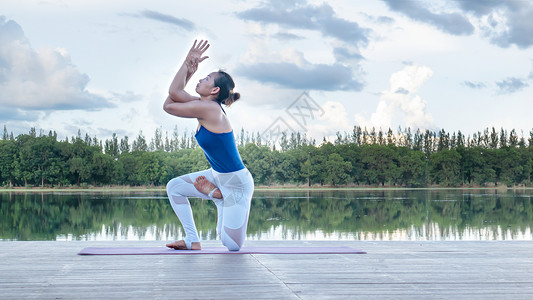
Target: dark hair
{"x": 226, "y": 95}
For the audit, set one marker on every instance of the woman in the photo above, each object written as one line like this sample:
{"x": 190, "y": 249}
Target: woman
{"x": 228, "y": 183}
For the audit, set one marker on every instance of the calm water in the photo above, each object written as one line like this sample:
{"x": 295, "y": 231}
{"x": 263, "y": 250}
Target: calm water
{"x": 275, "y": 215}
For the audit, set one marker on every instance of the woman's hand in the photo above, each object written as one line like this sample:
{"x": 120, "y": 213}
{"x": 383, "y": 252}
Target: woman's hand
{"x": 177, "y": 91}
{"x": 195, "y": 56}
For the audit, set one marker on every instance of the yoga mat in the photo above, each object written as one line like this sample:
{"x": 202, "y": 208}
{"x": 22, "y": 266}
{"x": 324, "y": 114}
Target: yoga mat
{"x": 217, "y": 250}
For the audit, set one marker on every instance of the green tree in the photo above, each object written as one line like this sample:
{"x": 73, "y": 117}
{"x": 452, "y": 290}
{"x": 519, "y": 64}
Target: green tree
{"x": 80, "y": 168}
{"x": 8, "y": 153}
{"x": 258, "y": 160}
{"x": 352, "y": 153}
{"x": 380, "y": 164}
{"x": 445, "y": 167}
{"x": 140, "y": 143}
{"x": 102, "y": 168}
{"x": 412, "y": 167}
{"x": 337, "y": 170}
{"x": 474, "y": 168}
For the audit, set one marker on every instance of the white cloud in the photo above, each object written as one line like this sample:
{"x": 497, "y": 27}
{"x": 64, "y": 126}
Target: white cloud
{"x": 40, "y": 79}
{"x": 410, "y": 78}
{"x": 333, "y": 120}
{"x": 335, "y": 114}
{"x": 401, "y": 105}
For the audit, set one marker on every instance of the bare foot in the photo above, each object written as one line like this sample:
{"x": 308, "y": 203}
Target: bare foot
{"x": 180, "y": 245}
{"x": 204, "y": 186}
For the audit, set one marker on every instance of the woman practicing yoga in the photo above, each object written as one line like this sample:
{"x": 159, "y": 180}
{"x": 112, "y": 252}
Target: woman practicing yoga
{"x": 228, "y": 183}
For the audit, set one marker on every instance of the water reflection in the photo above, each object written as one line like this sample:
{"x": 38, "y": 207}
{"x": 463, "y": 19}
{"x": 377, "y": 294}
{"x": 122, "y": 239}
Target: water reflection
{"x": 275, "y": 215}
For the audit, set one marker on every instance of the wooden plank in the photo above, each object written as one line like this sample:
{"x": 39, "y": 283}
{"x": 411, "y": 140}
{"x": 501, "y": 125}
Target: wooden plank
{"x": 404, "y": 270}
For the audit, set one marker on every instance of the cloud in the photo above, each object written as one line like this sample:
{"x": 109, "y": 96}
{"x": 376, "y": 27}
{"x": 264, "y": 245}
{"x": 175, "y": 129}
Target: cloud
{"x": 43, "y": 79}
{"x": 504, "y": 23}
{"x": 310, "y": 77}
{"x": 348, "y": 56}
{"x": 299, "y": 15}
{"x": 402, "y": 91}
{"x": 400, "y": 105}
{"x": 285, "y": 36}
{"x": 511, "y": 85}
{"x": 508, "y": 25}
{"x": 474, "y": 85}
{"x": 14, "y": 114}
{"x": 335, "y": 114}
{"x": 334, "y": 119}
{"x": 385, "y": 20}
{"x": 452, "y": 23}
{"x": 289, "y": 69}
{"x": 154, "y": 15}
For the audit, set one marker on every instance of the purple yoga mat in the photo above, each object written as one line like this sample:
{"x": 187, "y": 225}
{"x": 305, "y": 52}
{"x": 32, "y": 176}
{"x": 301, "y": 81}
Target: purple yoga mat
{"x": 217, "y": 250}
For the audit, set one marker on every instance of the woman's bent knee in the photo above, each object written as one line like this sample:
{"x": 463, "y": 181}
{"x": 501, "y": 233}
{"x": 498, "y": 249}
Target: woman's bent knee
{"x": 174, "y": 184}
{"x": 232, "y": 243}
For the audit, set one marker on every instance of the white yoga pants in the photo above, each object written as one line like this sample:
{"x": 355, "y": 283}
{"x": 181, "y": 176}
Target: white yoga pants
{"x": 233, "y": 209}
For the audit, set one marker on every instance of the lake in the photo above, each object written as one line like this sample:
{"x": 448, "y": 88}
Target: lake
{"x": 371, "y": 215}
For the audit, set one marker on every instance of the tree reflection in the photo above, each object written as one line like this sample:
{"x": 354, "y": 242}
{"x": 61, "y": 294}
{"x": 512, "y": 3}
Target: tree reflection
{"x": 348, "y": 214}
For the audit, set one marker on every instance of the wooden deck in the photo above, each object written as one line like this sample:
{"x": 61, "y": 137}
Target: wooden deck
{"x": 390, "y": 270}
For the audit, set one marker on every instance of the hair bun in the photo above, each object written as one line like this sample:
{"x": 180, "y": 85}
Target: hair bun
{"x": 236, "y": 96}
{"x": 231, "y": 98}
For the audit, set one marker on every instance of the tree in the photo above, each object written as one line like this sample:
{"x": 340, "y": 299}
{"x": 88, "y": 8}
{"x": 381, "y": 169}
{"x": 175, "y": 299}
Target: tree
{"x": 149, "y": 168}
{"x": 8, "y": 153}
{"x": 80, "y": 168}
{"x": 157, "y": 141}
{"x": 408, "y": 138}
{"x": 428, "y": 143}
{"x": 101, "y": 168}
{"x": 474, "y": 168}
{"x": 356, "y": 135}
{"x": 493, "y": 139}
{"x": 258, "y": 160}
{"x": 412, "y": 167}
{"x": 351, "y": 153}
{"x": 513, "y": 139}
{"x": 379, "y": 164}
{"x": 503, "y": 138}
{"x": 111, "y": 146}
{"x": 418, "y": 140}
{"x": 124, "y": 145}
{"x": 337, "y": 170}
{"x": 390, "y": 138}
{"x": 444, "y": 140}
{"x": 307, "y": 170}
{"x": 284, "y": 142}
{"x": 460, "y": 139}
{"x": 445, "y": 167}
{"x": 184, "y": 143}
{"x": 175, "y": 142}
{"x": 284, "y": 166}
{"x": 140, "y": 143}
{"x": 5, "y": 136}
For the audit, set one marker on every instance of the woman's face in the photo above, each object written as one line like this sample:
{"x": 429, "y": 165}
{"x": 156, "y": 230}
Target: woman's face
{"x": 206, "y": 86}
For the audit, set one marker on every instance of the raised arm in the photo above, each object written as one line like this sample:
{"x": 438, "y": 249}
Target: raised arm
{"x": 190, "y": 65}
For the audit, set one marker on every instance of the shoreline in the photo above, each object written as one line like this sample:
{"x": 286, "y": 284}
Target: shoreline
{"x": 258, "y": 188}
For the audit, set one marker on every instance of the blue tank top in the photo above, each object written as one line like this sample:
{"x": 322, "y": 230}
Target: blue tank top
{"x": 220, "y": 150}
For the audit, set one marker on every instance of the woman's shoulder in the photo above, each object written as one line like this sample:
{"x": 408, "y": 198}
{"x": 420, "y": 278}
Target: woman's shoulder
{"x": 216, "y": 124}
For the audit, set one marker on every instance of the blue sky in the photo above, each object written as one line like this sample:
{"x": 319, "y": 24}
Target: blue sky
{"x": 105, "y": 66}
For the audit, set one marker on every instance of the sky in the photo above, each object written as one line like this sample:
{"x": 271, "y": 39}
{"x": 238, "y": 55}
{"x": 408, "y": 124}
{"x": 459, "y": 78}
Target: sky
{"x": 312, "y": 67}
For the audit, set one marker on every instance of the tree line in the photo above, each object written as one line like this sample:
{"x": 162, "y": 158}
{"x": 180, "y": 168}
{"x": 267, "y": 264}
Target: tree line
{"x": 362, "y": 157}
